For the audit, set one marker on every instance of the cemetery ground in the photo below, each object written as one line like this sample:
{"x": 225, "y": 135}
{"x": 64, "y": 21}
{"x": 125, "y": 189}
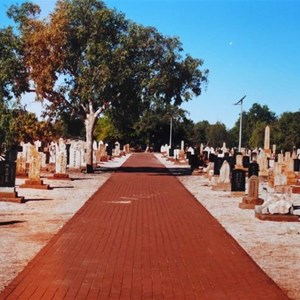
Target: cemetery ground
{"x": 26, "y": 228}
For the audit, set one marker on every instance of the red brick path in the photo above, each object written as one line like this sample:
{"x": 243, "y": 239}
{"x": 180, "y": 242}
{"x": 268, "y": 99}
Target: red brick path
{"x": 142, "y": 236}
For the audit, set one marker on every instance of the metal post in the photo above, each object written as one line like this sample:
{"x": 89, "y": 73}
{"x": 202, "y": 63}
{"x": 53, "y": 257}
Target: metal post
{"x": 170, "y": 141}
{"x": 241, "y": 122}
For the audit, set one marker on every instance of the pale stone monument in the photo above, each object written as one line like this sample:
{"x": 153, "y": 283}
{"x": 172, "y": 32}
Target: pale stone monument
{"x": 223, "y": 182}
{"x": 267, "y": 150}
{"x": 75, "y": 155}
{"x": 117, "y": 150}
{"x": 239, "y": 161}
{"x": 21, "y": 170}
{"x": 34, "y": 180}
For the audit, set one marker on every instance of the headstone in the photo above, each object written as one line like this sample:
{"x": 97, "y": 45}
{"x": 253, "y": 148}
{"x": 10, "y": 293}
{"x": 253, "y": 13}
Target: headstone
{"x": 263, "y": 166}
{"x": 253, "y": 169}
{"x": 21, "y": 170}
{"x": 117, "y": 151}
{"x": 239, "y": 161}
{"x": 7, "y": 178}
{"x": 34, "y": 181}
{"x": 267, "y": 138}
{"x": 238, "y": 180}
{"x": 252, "y": 199}
{"x": 217, "y": 165}
{"x": 61, "y": 161}
{"x": 246, "y": 161}
{"x": 223, "y": 183}
{"x": 296, "y": 165}
{"x": 75, "y": 155}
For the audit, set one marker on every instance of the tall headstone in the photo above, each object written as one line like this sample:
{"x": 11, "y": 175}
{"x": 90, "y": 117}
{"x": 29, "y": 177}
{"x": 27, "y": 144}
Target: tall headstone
{"x": 223, "y": 183}
{"x": 253, "y": 169}
{"x": 246, "y": 161}
{"x": 239, "y": 161}
{"x": 218, "y": 164}
{"x": 117, "y": 151}
{"x": 8, "y": 176}
{"x": 263, "y": 166}
{"x": 267, "y": 142}
{"x": 34, "y": 180}
{"x": 238, "y": 181}
{"x": 75, "y": 155}
{"x": 21, "y": 170}
{"x": 61, "y": 161}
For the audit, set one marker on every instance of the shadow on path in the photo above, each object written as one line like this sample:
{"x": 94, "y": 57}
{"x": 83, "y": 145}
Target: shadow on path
{"x": 154, "y": 170}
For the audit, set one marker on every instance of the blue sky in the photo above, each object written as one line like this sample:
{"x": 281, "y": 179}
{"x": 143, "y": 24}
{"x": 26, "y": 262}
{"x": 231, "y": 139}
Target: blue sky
{"x": 250, "y": 48}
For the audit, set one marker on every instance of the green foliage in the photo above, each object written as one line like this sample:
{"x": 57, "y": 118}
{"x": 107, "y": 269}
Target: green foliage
{"x": 12, "y": 72}
{"x": 217, "y": 134}
{"x": 287, "y": 131}
{"x": 200, "y": 131}
{"x": 106, "y": 131}
{"x": 91, "y": 58}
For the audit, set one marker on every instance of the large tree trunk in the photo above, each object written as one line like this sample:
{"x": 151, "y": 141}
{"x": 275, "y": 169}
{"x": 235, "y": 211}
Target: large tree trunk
{"x": 89, "y": 127}
{"x": 90, "y": 121}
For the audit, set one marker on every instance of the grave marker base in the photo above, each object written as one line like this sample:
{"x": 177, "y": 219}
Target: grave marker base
{"x": 60, "y": 176}
{"x": 295, "y": 189}
{"x": 237, "y": 194}
{"x": 249, "y": 202}
{"x": 277, "y": 217}
{"x": 35, "y": 184}
{"x": 222, "y": 186}
{"x": 10, "y": 195}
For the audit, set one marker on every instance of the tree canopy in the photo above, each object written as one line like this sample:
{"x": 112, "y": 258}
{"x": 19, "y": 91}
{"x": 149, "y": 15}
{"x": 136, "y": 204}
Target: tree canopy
{"x": 92, "y": 58}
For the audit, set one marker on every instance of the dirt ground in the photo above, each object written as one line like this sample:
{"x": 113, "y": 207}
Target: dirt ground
{"x": 26, "y": 228}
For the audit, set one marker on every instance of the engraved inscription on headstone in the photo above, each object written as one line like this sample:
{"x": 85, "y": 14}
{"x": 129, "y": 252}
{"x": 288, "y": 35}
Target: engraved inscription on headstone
{"x": 238, "y": 180}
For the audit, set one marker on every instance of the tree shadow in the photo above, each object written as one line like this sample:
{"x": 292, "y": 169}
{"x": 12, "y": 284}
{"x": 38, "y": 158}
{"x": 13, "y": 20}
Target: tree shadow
{"x": 37, "y": 199}
{"x": 5, "y": 223}
{"x": 151, "y": 170}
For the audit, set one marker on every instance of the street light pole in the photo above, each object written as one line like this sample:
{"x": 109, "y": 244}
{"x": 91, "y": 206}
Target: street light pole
{"x": 240, "y": 133}
{"x": 240, "y": 102}
{"x": 171, "y": 125}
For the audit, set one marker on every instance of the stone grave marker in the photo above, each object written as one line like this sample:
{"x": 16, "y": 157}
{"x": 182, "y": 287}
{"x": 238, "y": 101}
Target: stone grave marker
{"x": 252, "y": 199}
{"x": 246, "y": 161}
{"x": 75, "y": 155}
{"x": 61, "y": 161}
{"x": 117, "y": 150}
{"x": 296, "y": 165}
{"x": 238, "y": 181}
{"x": 34, "y": 180}
{"x": 223, "y": 182}
{"x": 21, "y": 170}
{"x": 8, "y": 177}
{"x": 218, "y": 164}
{"x": 253, "y": 169}
{"x": 239, "y": 161}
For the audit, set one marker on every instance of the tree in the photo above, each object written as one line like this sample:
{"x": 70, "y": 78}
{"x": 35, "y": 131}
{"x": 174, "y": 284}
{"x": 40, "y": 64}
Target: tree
{"x": 287, "y": 131}
{"x": 217, "y": 134}
{"x": 91, "y": 59}
{"x": 257, "y": 117}
{"x": 12, "y": 82}
{"x": 200, "y": 131}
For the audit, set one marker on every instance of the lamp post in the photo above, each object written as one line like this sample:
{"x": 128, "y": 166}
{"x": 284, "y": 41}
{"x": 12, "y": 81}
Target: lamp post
{"x": 171, "y": 125}
{"x": 240, "y": 102}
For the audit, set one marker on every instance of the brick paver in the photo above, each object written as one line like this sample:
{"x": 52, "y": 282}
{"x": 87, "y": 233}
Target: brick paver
{"x": 142, "y": 236}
